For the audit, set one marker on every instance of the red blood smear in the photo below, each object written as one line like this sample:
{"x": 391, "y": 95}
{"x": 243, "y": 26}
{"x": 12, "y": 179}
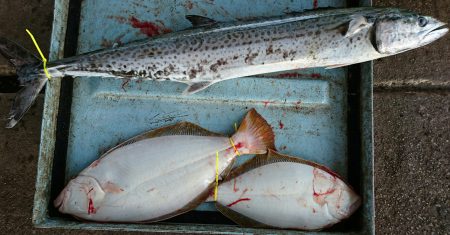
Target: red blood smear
{"x": 267, "y": 102}
{"x": 237, "y": 201}
{"x": 315, "y": 194}
{"x": 315, "y": 75}
{"x": 238, "y": 145}
{"x": 315, "y": 4}
{"x": 148, "y": 28}
{"x": 281, "y": 124}
{"x": 91, "y": 209}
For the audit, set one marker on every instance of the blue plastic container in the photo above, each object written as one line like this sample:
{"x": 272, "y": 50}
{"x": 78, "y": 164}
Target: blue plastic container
{"x": 321, "y": 115}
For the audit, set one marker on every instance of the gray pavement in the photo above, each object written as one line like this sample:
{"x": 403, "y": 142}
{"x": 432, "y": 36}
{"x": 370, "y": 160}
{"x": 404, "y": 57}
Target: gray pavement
{"x": 412, "y": 131}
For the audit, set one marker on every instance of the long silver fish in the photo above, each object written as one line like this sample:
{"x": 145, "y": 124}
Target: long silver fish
{"x": 213, "y": 51}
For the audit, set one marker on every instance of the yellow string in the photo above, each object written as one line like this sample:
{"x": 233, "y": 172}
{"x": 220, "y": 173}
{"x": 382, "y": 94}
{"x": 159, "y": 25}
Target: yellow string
{"x": 235, "y": 149}
{"x": 44, "y": 60}
{"x": 217, "y": 165}
{"x": 217, "y": 176}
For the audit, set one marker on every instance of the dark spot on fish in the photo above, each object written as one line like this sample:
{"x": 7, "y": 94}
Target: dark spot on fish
{"x": 269, "y": 50}
{"x": 351, "y": 40}
{"x": 192, "y": 73}
{"x": 216, "y": 65}
{"x": 300, "y": 35}
{"x": 318, "y": 32}
{"x": 285, "y": 54}
{"x": 235, "y": 57}
{"x": 250, "y": 57}
{"x": 310, "y": 33}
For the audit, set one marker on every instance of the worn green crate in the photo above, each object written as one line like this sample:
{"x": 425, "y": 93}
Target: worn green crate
{"x": 74, "y": 129}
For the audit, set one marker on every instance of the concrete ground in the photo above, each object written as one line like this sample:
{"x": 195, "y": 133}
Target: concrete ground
{"x": 411, "y": 115}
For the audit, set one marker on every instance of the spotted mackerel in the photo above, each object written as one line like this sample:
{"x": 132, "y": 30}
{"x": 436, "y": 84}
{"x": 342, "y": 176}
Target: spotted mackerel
{"x": 213, "y": 51}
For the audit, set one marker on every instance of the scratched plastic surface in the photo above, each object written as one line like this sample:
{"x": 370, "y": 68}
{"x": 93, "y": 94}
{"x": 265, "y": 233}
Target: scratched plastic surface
{"x": 306, "y": 108}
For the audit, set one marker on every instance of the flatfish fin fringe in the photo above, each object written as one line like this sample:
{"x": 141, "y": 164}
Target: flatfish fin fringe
{"x": 182, "y": 128}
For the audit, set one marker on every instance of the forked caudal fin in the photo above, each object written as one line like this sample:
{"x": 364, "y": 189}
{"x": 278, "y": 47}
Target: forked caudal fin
{"x": 255, "y": 135}
{"x": 27, "y": 68}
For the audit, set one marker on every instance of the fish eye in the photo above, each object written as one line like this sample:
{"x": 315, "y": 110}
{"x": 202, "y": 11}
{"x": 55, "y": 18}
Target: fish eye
{"x": 422, "y": 21}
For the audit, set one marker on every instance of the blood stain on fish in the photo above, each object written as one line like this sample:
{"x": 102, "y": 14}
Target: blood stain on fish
{"x": 148, "y": 28}
{"x": 234, "y": 186}
{"x": 91, "y": 209}
{"x": 239, "y": 145}
{"x": 281, "y": 124}
{"x": 237, "y": 201}
{"x": 95, "y": 163}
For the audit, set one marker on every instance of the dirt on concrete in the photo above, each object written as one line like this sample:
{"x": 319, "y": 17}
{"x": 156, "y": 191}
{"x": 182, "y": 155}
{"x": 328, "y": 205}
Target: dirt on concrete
{"x": 412, "y": 162}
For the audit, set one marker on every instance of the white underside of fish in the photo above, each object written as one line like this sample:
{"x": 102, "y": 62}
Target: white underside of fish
{"x": 285, "y": 195}
{"x": 142, "y": 182}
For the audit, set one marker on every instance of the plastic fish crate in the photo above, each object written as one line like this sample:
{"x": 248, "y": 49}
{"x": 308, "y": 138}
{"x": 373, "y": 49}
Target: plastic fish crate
{"x": 318, "y": 114}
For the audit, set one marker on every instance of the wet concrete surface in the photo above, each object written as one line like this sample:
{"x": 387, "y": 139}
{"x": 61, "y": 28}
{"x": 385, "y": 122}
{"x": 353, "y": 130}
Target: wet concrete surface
{"x": 411, "y": 116}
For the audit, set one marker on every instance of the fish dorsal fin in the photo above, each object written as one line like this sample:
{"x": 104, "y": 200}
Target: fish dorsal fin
{"x": 182, "y": 128}
{"x": 242, "y": 220}
{"x": 196, "y": 87}
{"x": 199, "y": 21}
{"x": 272, "y": 157}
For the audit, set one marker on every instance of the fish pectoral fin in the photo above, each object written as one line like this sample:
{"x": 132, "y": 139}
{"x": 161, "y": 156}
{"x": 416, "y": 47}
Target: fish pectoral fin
{"x": 181, "y": 128}
{"x": 265, "y": 159}
{"x": 199, "y": 21}
{"x": 355, "y": 25}
{"x": 196, "y": 87}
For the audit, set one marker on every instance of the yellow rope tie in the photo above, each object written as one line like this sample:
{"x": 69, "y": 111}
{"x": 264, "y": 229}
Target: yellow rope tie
{"x": 217, "y": 176}
{"x": 235, "y": 149}
{"x": 44, "y": 60}
{"x": 217, "y": 165}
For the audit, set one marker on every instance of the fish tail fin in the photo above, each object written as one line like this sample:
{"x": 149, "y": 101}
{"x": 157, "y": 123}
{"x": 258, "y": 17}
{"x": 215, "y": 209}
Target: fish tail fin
{"x": 27, "y": 67}
{"x": 254, "y": 135}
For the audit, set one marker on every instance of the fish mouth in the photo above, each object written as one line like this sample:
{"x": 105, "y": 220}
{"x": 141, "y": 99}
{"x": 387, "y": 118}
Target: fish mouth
{"x": 435, "y": 33}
